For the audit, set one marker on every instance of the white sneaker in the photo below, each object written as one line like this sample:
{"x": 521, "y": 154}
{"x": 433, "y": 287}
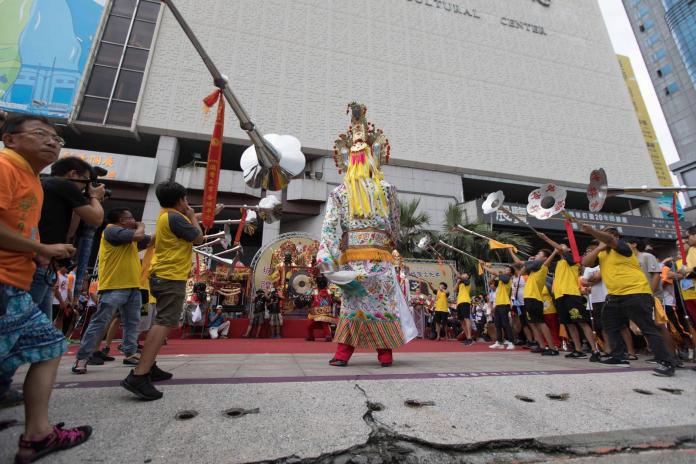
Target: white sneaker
{"x": 496, "y": 346}
{"x": 509, "y": 346}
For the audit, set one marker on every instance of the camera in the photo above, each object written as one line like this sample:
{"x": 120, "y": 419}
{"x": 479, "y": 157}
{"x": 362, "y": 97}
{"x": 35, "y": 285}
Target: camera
{"x": 95, "y": 173}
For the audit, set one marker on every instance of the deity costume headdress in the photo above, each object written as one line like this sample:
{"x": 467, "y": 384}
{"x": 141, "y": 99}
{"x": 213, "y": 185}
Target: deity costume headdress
{"x": 360, "y": 152}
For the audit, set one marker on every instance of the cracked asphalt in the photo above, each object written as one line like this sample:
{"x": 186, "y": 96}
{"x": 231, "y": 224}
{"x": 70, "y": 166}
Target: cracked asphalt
{"x": 427, "y": 408}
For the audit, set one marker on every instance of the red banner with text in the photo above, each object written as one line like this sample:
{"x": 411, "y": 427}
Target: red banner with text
{"x": 212, "y": 172}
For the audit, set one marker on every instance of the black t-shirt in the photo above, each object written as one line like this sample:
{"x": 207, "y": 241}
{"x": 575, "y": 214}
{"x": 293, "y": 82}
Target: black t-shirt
{"x": 61, "y": 196}
{"x": 274, "y": 304}
{"x": 259, "y": 304}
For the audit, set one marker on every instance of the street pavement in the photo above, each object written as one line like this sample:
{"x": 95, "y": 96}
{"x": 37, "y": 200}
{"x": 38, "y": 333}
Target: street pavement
{"x": 428, "y": 407}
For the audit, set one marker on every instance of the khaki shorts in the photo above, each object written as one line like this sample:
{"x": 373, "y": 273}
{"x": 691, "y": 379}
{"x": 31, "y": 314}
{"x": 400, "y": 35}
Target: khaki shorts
{"x": 170, "y": 296}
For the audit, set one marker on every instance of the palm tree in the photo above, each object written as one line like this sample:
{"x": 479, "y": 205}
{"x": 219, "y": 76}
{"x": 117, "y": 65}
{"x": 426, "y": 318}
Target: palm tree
{"x": 412, "y": 226}
{"x": 474, "y": 245}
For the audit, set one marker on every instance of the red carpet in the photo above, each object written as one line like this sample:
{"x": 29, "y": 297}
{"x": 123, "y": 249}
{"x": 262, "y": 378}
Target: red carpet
{"x": 196, "y": 346}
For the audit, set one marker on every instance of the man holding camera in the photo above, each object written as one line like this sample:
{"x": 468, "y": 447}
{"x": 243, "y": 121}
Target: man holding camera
{"x": 70, "y": 189}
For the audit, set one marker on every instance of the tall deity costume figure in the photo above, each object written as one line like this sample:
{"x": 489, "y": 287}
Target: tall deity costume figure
{"x": 358, "y": 236}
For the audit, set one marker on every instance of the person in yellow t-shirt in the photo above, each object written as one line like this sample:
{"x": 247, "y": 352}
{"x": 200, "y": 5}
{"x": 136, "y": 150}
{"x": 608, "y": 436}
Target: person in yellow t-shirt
{"x": 441, "y": 308}
{"x": 501, "y": 310}
{"x": 686, "y": 273}
{"x": 464, "y": 306}
{"x": 537, "y": 269}
{"x": 176, "y": 231}
{"x": 629, "y": 297}
{"x": 119, "y": 289}
{"x": 570, "y": 304}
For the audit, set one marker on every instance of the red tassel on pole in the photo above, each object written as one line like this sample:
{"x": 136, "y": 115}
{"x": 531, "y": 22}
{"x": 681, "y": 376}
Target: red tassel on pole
{"x": 571, "y": 241}
{"x": 240, "y": 227}
{"x": 682, "y": 251}
{"x": 212, "y": 172}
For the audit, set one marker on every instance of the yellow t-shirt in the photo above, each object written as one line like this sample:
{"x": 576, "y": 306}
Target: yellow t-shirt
{"x": 549, "y": 307}
{"x": 173, "y": 248}
{"x": 502, "y": 293}
{"x": 463, "y": 293}
{"x": 535, "y": 283}
{"x": 621, "y": 274}
{"x": 119, "y": 265}
{"x": 565, "y": 280}
{"x": 689, "y": 294}
{"x": 441, "y": 302}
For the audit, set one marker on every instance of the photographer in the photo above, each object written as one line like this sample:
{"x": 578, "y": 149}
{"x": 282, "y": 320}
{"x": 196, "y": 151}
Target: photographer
{"x": 68, "y": 190}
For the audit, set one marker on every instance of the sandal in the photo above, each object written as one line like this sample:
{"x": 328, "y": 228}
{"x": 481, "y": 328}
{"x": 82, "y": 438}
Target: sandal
{"x": 58, "y": 439}
{"x": 632, "y": 357}
{"x": 338, "y": 362}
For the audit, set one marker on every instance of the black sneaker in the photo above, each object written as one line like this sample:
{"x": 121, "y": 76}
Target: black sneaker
{"x": 537, "y": 349}
{"x": 576, "y": 355}
{"x": 664, "y": 369}
{"x": 95, "y": 361}
{"x": 615, "y": 362}
{"x": 549, "y": 352}
{"x": 141, "y": 386}
{"x": 103, "y": 356}
{"x": 158, "y": 375}
{"x": 651, "y": 361}
{"x": 596, "y": 357}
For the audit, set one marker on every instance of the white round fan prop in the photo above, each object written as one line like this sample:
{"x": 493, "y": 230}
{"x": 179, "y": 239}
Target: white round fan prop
{"x": 493, "y": 202}
{"x": 546, "y": 201}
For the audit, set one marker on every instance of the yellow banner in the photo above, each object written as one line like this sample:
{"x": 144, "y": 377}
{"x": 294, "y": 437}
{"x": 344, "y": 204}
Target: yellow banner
{"x": 658, "y": 160}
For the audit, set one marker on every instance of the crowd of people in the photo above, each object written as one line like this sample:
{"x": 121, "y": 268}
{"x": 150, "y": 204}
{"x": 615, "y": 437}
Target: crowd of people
{"x": 595, "y": 308}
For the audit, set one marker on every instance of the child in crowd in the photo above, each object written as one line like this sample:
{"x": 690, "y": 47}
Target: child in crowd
{"x": 257, "y": 316}
{"x": 276, "y": 319}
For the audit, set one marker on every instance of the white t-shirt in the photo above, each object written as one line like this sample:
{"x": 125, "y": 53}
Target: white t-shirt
{"x": 599, "y": 290}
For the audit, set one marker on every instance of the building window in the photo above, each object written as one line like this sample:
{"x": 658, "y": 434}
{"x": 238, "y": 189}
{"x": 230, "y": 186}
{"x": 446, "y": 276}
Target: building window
{"x": 114, "y": 84}
{"x": 642, "y": 11}
{"x": 663, "y": 71}
{"x": 647, "y": 25}
{"x": 635, "y": 2}
{"x": 652, "y": 40}
{"x": 658, "y": 55}
{"x": 671, "y": 88}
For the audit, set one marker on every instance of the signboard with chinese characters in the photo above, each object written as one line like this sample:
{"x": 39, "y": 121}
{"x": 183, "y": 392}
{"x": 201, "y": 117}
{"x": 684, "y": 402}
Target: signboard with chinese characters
{"x": 429, "y": 272}
{"x": 123, "y": 168}
{"x": 632, "y": 226}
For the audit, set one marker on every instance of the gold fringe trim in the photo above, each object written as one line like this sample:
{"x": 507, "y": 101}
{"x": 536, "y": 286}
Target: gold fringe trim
{"x": 364, "y": 254}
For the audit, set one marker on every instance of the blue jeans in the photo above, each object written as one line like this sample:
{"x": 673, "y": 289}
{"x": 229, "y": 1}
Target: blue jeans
{"x": 127, "y": 301}
{"x": 42, "y": 292}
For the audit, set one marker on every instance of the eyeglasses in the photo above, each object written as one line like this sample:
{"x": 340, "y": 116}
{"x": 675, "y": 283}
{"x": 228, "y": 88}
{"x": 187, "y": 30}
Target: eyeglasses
{"x": 44, "y": 134}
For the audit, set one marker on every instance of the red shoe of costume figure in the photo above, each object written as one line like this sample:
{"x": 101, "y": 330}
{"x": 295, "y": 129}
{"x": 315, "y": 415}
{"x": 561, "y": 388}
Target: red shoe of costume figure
{"x": 344, "y": 352}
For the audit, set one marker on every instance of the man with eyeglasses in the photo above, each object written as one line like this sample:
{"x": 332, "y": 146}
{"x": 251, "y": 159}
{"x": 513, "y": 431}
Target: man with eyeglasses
{"x": 68, "y": 190}
{"x": 27, "y": 336}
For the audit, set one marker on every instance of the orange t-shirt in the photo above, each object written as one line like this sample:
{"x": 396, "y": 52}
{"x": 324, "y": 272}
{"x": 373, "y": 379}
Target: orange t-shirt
{"x": 21, "y": 197}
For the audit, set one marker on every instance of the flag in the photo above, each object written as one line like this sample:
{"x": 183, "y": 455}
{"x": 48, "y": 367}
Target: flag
{"x": 479, "y": 268}
{"x": 495, "y": 245}
{"x": 212, "y": 171}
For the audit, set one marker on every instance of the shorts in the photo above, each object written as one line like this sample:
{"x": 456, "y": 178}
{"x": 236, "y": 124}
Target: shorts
{"x": 276, "y": 320}
{"x": 257, "y": 319}
{"x": 170, "y": 296}
{"x": 522, "y": 315}
{"x": 572, "y": 309}
{"x": 26, "y": 334}
{"x": 534, "y": 309}
{"x": 463, "y": 311}
{"x": 441, "y": 317}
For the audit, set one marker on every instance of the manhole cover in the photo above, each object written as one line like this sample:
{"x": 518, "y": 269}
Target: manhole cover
{"x": 186, "y": 414}
{"x": 375, "y": 406}
{"x": 418, "y": 403}
{"x": 642, "y": 392}
{"x": 674, "y": 391}
{"x": 526, "y": 399}
{"x": 558, "y": 396}
{"x": 236, "y": 413}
